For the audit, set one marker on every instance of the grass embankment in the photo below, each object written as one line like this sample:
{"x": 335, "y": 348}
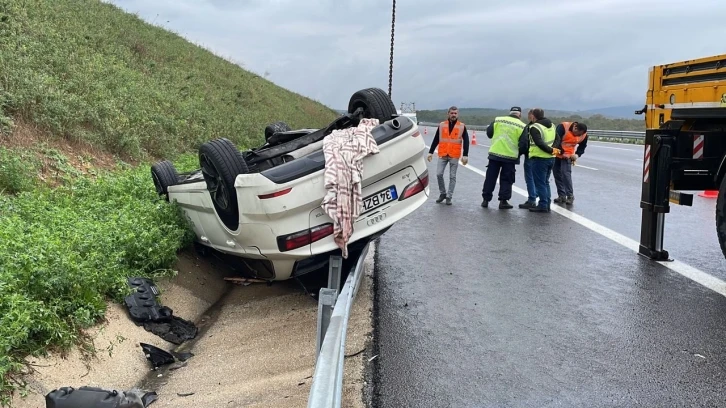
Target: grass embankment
{"x": 84, "y": 74}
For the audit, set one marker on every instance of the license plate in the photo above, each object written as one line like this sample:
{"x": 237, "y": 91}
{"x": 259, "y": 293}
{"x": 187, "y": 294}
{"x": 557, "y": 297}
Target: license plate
{"x": 378, "y": 199}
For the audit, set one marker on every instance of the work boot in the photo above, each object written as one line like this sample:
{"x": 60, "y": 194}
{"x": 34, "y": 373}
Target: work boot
{"x": 504, "y": 205}
{"x": 441, "y": 198}
{"x": 560, "y": 200}
{"x": 485, "y": 203}
{"x": 539, "y": 209}
{"x": 570, "y": 200}
{"x": 448, "y": 201}
{"x": 528, "y": 204}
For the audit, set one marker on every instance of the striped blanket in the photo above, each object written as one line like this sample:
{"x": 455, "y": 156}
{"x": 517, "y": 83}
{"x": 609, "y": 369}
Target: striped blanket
{"x": 344, "y": 152}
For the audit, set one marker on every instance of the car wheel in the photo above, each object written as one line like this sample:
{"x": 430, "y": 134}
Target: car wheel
{"x": 375, "y": 104}
{"x": 276, "y": 127}
{"x": 164, "y": 176}
{"x": 221, "y": 162}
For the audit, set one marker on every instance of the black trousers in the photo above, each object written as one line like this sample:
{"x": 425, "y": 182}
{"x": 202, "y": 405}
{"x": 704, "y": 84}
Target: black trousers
{"x": 563, "y": 177}
{"x": 505, "y": 172}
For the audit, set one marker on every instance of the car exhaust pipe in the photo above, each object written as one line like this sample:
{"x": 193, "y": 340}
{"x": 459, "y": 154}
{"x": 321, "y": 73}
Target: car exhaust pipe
{"x": 395, "y": 124}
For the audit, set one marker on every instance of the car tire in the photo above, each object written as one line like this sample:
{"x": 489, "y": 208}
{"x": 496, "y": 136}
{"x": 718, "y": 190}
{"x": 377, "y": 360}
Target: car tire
{"x": 221, "y": 162}
{"x": 276, "y": 127}
{"x": 164, "y": 176}
{"x": 375, "y": 102}
{"x": 721, "y": 216}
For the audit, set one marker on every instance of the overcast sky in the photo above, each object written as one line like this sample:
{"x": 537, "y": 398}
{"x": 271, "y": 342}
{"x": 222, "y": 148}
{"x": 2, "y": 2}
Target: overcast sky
{"x": 570, "y": 54}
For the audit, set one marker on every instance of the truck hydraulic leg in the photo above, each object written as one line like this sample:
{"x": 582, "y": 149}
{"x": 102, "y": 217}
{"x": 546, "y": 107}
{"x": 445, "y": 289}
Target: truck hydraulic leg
{"x": 655, "y": 194}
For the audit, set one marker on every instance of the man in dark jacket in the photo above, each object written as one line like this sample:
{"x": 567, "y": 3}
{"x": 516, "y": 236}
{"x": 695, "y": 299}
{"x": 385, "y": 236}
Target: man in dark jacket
{"x": 528, "y": 178}
{"x": 542, "y": 145}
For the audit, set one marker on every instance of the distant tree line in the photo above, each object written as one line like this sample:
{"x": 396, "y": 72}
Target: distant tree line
{"x": 471, "y": 117}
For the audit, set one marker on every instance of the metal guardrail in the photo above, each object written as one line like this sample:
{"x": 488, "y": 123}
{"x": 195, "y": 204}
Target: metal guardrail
{"x": 615, "y": 134}
{"x": 326, "y": 390}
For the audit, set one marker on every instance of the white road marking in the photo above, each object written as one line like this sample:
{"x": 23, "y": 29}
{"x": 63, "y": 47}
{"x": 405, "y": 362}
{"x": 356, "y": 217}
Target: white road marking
{"x": 616, "y": 148}
{"x": 696, "y": 275}
{"x": 585, "y": 167}
{"x": 599, "y": 143}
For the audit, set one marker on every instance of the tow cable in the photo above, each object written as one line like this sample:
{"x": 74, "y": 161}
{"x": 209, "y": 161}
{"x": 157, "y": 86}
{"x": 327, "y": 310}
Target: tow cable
{"x": 390, "y": 67}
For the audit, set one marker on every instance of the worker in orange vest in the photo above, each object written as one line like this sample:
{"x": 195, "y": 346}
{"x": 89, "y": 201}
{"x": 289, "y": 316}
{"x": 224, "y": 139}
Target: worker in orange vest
{"x": 451, "y": 138}
{"x": 572, "y": 134}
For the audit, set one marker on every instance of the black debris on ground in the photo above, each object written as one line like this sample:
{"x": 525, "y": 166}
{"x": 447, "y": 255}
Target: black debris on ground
{"x": 146, "y": 311}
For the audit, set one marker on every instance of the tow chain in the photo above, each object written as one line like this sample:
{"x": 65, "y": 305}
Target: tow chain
{"x": 390, "y": 68}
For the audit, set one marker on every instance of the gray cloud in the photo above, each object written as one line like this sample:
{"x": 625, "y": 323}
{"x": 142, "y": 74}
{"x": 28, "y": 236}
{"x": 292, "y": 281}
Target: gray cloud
{"x": 569, "y": 54}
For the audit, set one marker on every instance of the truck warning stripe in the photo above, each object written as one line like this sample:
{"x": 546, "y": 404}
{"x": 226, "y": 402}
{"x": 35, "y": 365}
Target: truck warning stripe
{"x": 646, "y": 164}
{"x": 698, "y": 141}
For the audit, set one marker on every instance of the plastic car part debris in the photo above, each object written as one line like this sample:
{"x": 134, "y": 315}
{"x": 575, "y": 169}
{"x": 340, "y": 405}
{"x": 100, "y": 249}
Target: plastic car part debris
{"x": 157, "y": 356}
{"x": 91, "y": 397}
{"x": 176, "y": 331}
{"x": 145, "y": 310}
{"x": 142, "y": 303}
{"x": 148, "y": 398}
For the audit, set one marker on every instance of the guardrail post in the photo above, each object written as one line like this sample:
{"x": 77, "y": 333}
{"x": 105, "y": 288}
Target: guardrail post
{"x": 335, "y": 271}
{"x": 326, "y": 303}
{"x": 327, "y": 298}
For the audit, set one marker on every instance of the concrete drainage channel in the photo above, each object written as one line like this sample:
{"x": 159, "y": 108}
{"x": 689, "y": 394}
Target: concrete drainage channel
{"x": 256, "y": 345}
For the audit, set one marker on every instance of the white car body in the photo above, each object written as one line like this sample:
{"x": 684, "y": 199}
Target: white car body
{"x": 270, "y": 210}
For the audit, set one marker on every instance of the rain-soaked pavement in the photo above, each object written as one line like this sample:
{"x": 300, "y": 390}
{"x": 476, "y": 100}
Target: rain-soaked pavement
{"x": 483, "y": 307}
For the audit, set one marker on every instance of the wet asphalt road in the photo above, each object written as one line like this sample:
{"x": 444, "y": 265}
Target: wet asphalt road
{"x": 482, "y": 307}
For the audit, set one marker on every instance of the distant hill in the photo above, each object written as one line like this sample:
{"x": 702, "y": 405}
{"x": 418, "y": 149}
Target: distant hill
{"x": 614, "y": 112}
{"x": 611, "y": 118}
{"x": 595, "y": 118}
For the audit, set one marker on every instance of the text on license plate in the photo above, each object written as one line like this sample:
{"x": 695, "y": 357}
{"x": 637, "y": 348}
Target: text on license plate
{"x": 379, "y": 198}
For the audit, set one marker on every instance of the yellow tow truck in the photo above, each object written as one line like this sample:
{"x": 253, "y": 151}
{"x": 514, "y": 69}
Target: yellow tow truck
{"x": 685, "y": 144}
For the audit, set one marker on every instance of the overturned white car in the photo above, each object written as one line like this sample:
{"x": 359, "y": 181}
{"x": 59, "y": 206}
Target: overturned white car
{"x": 264, "y": 205}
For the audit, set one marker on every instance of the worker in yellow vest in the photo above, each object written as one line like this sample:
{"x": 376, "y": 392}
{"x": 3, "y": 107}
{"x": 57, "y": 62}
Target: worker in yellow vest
{"x": 503, "y": 157}
{"x": 542, "y": 145}
{"x": 452, "y": 139}
{"x": 528, "y": 178}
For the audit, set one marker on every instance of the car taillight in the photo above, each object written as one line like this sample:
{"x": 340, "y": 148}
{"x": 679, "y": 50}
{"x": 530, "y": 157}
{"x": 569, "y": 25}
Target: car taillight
{"x": 320, "y": 232}
{"x": 416, "y": 134}
{"x": 275, "y": 194}
{"x": 416, "y": 187}
{"x": 302, "y": 238}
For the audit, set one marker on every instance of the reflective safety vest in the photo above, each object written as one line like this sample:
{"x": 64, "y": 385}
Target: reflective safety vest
{"x": 505, "y": 141}
{"x": 570, "y": 141}
{"x": 548, "y": 135}
{"x": 450, "y": 144}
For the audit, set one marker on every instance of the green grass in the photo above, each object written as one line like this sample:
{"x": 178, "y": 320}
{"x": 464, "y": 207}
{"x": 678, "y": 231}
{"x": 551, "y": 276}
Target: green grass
{"x": 17, "y": 171}
{"x": 90, "y": 72}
